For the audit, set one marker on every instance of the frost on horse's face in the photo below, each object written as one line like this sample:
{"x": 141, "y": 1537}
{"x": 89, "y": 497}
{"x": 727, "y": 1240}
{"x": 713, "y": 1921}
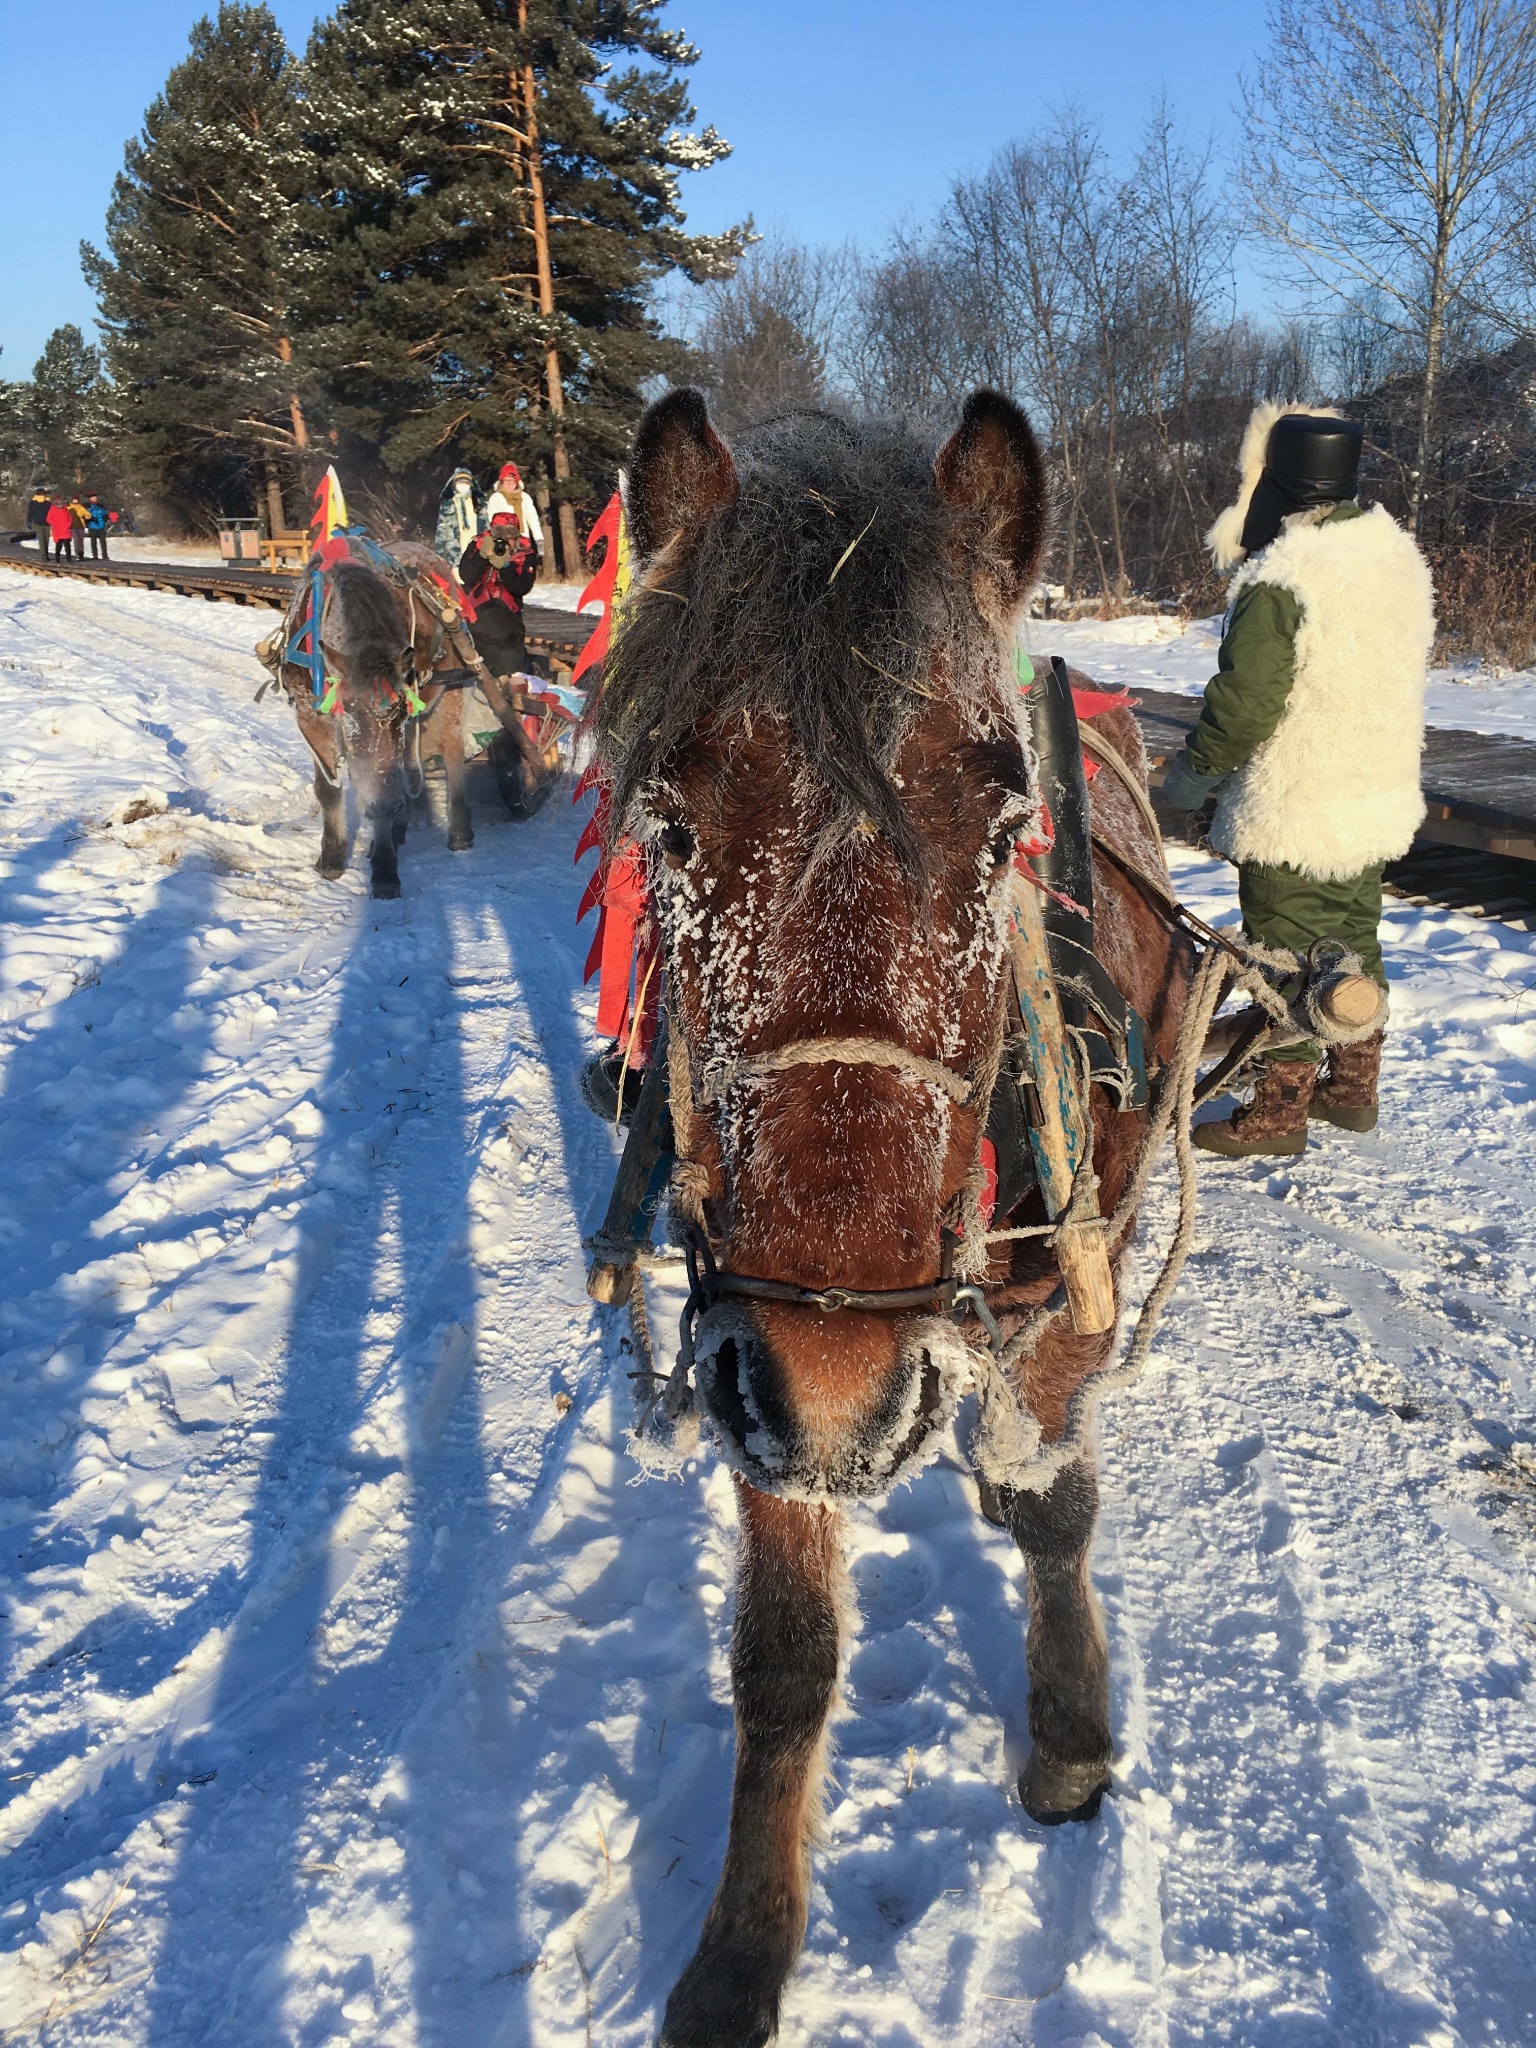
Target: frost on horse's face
{"x": 833, "y": 1174}
{"x": 831, "y": 789}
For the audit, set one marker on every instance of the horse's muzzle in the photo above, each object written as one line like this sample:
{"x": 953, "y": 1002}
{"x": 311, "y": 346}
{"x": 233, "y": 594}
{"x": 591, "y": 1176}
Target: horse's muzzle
{"x": 773, "y": 1431}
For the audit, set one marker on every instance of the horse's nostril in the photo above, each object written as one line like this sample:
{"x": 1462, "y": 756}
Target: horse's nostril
{"x": 725, "y": 1389}
{"x": 676, "y": 844}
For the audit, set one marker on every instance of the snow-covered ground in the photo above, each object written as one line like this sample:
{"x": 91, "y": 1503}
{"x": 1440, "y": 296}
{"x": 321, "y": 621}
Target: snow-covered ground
{"x": 360, "y": 1692}
{"x": 1160, "y": 653}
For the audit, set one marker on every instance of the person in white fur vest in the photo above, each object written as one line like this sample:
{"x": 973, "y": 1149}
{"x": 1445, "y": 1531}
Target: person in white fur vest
{"x": 1309, "y": 738}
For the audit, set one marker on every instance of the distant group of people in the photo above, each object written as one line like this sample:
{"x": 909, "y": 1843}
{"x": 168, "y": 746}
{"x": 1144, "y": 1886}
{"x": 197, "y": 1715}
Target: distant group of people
{"x": 68, "y": 523}
{"x": 495, "y": 546}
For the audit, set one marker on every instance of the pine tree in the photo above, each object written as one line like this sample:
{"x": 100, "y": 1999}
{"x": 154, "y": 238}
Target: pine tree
{"x": 18, "y": 456}
{"x": 198, "y": 293}
{"x": 457, "y": 222}
{"x": 68, "y": 409}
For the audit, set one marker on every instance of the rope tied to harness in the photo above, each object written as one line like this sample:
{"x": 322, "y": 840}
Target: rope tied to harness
{"x": 1005, "y": 1447}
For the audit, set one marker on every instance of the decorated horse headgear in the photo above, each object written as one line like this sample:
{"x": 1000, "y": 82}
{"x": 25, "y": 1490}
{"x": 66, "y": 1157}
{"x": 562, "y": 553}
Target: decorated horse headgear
{"x": 336, "y": 541}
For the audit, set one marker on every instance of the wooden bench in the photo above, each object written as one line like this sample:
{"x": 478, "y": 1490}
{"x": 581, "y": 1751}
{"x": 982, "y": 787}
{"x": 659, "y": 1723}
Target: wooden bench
{"x": 282, "y": 548}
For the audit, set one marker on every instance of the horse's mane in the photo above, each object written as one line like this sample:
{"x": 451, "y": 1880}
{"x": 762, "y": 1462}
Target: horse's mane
{"x": 770, "y": 612}
{"x": 415, "y": 554}
{"x": 362, "y": 621}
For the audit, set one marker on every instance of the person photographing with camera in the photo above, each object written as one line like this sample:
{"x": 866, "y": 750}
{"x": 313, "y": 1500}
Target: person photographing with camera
{"x": 497, "y": 571}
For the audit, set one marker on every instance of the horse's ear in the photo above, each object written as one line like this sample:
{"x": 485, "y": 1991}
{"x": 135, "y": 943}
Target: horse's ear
{"x": 991, "y": 475}
{"x": 682, "y": 473}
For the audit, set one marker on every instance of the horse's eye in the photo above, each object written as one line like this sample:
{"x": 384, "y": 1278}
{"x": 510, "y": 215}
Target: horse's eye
{"x": 676, "y": 844}
{"x": 1002, "y": 849}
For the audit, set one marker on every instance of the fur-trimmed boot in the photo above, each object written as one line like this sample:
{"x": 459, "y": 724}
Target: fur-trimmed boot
{"x": 1346, "y": 1095}
{"x": 1274, "y": 1124}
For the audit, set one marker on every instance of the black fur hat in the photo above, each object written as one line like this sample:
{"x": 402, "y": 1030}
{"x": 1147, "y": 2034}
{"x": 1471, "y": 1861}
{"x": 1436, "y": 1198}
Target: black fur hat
{"x": 1310, "y": 459}
{"x": 1282, "y": 447}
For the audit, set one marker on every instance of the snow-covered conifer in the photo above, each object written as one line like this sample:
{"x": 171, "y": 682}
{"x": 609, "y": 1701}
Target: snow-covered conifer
{"x": 436, "y": 344}
{"x": 205, "y": 268}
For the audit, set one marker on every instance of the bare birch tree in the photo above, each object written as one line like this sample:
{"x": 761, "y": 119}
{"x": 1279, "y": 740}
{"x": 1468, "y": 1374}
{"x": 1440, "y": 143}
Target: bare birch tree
{"x": 769, "y": 332}
{"x": 1388, "y": 163}
{"x": 1099, "y": 292}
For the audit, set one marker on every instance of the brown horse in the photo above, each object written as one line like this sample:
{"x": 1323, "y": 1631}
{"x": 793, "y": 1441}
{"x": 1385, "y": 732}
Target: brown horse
{"x": 393, "y": 636}
{"x": 812, "y": 718}
{"x": 377, "y": 646}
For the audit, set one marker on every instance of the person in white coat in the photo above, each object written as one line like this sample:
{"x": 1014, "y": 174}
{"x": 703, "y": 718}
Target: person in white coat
{"x": 509, "y": 496}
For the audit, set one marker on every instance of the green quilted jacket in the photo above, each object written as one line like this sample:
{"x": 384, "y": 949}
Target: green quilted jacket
{"x": 1256, "y": 666}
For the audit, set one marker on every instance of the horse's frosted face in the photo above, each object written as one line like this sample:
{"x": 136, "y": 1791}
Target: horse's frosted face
{"x": 372, "y": 716}
{"x": 773, "y": 654}
{"x": 834, "y": 1174}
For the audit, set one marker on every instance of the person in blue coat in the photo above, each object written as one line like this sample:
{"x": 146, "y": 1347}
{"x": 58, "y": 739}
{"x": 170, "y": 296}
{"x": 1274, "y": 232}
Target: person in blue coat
{"x": 98, "y": 524}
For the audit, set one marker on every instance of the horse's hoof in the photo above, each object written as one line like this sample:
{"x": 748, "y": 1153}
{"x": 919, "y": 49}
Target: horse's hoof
{"x": 1053, "y": 1793}
{"x": 750, "y": 2030}
{"x": 386, "y": 892}
{"x": 330, "y": 870}
{"x": 460, "y": 842}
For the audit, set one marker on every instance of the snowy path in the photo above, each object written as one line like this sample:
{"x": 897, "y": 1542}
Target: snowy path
{"x": 357, "y": 1691}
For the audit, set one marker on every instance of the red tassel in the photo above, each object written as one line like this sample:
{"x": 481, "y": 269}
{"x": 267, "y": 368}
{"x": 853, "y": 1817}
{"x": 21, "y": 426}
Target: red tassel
{"x": 987, "y": 1200}
{"x": 592, "y": 895}
{"x": 1089, "y": 703}
{"x": 1026, "y": 849}
{"x": 591, "y": 836}
{"x": 594, "y": 650}
{"x": 618, "y": 959}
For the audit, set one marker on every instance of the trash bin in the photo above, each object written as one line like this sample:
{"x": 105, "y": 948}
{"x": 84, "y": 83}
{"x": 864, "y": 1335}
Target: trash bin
{"x": 240, "y": 539}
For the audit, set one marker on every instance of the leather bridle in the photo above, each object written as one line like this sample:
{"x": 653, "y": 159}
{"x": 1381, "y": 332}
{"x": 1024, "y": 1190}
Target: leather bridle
{"x": 708, "y": 1284}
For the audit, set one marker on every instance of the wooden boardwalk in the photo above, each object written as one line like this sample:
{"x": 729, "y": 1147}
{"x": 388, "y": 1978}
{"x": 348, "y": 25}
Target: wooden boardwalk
{"x": 557, "y": 635}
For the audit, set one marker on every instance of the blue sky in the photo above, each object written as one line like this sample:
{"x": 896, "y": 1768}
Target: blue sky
{"x": 847, "y": 115}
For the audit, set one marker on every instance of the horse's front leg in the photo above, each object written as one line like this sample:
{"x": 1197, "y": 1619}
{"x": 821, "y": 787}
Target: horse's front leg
{"x": 1068, "y": 1766}
{"x": 378, "y": 772}
{"x": 324, "y": 745}
{"x": 447, "y": 728}
{"x": 784, "y": 1662}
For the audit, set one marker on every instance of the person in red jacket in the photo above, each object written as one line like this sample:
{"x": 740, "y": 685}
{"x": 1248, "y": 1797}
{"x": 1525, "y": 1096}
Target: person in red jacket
{"x": 61, "y": 524}
{"x": 497, "y": 571}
